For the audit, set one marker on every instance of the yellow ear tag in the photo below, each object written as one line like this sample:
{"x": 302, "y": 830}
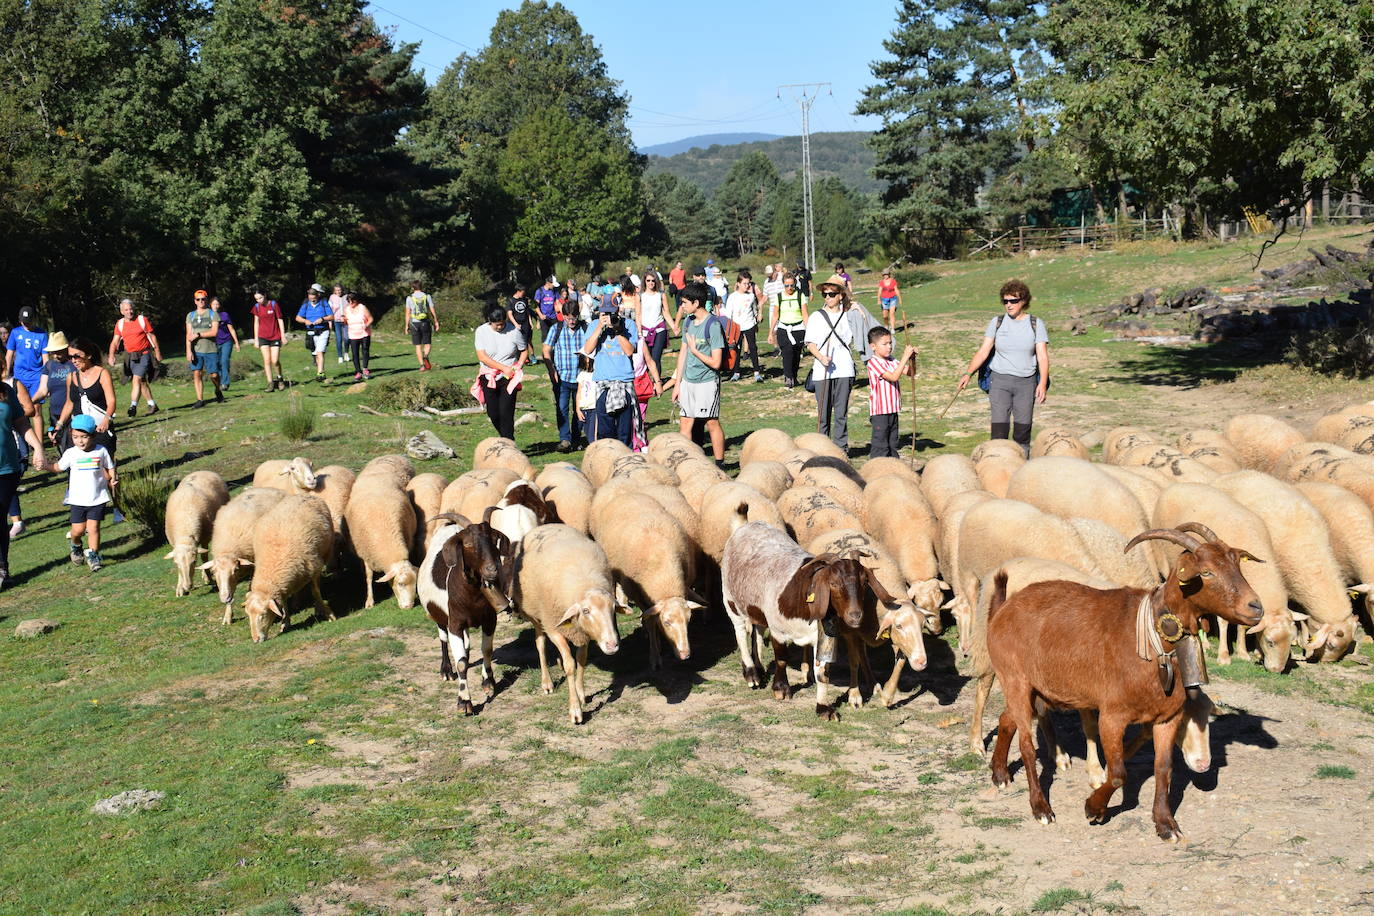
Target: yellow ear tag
{"x": 1245, "y": 559}
{"x": 1353, "y": 594}
{"x": 886, "y": 634}
{"x": 1182, "y": 582}
{"x": 811, "y": 597}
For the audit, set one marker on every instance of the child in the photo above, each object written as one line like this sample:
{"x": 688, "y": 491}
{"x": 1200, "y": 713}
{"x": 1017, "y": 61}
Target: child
{"x": 884, "y": 397}
{"x": 890, "y": 298}
{"x": 88, "y": 488}
{"x": 586, "y": 396}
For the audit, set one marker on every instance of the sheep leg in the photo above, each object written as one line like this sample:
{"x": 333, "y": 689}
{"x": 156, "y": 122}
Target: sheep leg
{"x": 545, "y": 681}
{"x": 823, "y": 709}
{"x": 1223, "y": 643}
{"x": 570, "y": 676}
{"x": 1112, "y": 730}
{"x": 316, "y": 594}
{"x": 781, "y": 689}
{"x": 888, "y": 694}
{"x": 488, "y": 672}
{"x": 228, "y": 613}
{"x": 1050, "y": 740}
{"x": 655, "y": 661}
{"x": 975, "y": 725}
{"x": 1164, "y": 735}
{"x": 748, "y": 660}
{"x": 367, "y": 577}
{"x": 580, "y": 674}
{"x": 460, "y": 657}
{"x": 445, "y": 663}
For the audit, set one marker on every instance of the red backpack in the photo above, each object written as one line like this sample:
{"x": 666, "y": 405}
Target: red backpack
{"x": 730, "y": 330}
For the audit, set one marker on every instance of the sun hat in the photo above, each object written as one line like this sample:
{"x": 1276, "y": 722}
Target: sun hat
{"x": 838, "y": 282}
{"x": 56, "y": 341}
{"x": 84, "y": 423}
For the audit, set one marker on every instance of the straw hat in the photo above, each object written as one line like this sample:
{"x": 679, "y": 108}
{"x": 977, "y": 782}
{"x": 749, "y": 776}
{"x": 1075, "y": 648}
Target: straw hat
{"x": 56, "y": 341}
{"x": 838, "y": 282}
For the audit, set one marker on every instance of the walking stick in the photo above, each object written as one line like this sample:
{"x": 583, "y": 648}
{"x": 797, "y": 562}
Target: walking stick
{"x": 951, "y": 403}
{"x": 906, "y": 337}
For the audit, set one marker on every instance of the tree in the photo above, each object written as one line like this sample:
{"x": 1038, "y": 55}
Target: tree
{"x": 680, "y": 218}
{"x": 843, "y": 229}
{"x": 741, "y": 197}
{"x": 955, "y": 103}
{"x": 1222, "y": 105}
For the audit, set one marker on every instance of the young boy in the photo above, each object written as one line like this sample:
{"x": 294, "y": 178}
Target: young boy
{"x": 88, "y": 488}
{"x": 884, "y": 395}
{"x": 890, "y": 298}
{"x": 696, "y": 382}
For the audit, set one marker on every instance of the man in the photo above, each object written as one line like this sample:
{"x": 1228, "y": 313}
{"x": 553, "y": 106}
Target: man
{"x": 423, "y": 321}
{"x": 677, "y": 277}
{"x": 560, "y": 352}
{"x": 546, "y": 299}
{"x": 803, "y": 277}
{"x": 202, "y": 353}
{"x": 518, "y": 311}
{"x": 696, "y": 381}
{"x": 135, "y": 332}
{"x": 24, "y": 351}
{"x": 712, "y": 298}
{"x": 711, "y": 270}
{"x": 337, "y": 303}
{"x": 317, "y": 317}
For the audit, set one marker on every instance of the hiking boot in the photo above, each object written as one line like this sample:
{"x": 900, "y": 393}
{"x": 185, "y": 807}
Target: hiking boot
{"x": 93, "y": 560}
{"x": 197, "y": 405}
{"x": 219, "y": 397}
{"x": 152, "y": 409}
{"x": 77, "y": 558}
{"x": 133, "y": 410}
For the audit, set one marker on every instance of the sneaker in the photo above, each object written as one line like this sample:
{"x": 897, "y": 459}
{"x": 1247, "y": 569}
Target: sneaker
{"x": 357, "y": 376}
{"x": 565, "y": 446}
{"x": 197, "y": 404}
{"x": 367, "y": 373}
{"x": 735, "y": 377}
{"x": 18, "y": 528}
{"x": 341, "y": 360}
{"x": 319, "y": 376}
{"x": 152, "y": 409}
{"x": 758, "y": 376}
{"x": 428, "y": 364}
{"x": 77, "y": 558}
{"x": 133, "y": 410}
{"x": 93, "y": 560}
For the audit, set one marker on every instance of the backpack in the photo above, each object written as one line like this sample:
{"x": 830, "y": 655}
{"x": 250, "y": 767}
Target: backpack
{"x": 985, "y": 370}
{"x": 730, "y": 331}
{"x": 419, "y": 306}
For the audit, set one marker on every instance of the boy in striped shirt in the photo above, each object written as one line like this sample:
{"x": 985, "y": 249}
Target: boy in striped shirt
{"x": 884, "y": 395}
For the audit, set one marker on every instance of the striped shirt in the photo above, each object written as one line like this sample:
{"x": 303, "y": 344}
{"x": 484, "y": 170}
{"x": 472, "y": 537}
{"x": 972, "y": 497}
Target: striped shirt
{"x": 883, "y": 396}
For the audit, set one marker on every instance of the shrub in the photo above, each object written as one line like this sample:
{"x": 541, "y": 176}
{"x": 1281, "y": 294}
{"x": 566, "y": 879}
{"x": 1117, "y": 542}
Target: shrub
{"x": 143, "y": 498}
{"x": 1343, "y": 351}
{"x": 298, "y": 420}
{"x": 908, "y": 277}
{"x": 411, "y": 393}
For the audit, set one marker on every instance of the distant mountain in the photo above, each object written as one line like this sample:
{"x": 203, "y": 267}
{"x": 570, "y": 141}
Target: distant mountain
{"x": 844, "y": 154}
{"x": 703, "y": 141}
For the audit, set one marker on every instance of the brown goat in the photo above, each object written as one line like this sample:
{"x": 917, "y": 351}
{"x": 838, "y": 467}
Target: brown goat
{"x": 1070, "y": 646}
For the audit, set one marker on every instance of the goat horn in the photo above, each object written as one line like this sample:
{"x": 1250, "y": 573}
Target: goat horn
{"x": 486, "y": 516}
{"x": 452, "y": 517}
{"x": 1199, "y": 528}
{"x": 1164, "y": 534}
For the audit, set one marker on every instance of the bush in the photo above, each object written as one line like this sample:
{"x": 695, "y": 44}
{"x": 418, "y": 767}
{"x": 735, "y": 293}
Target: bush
{"x": 908, "y": 277}
{"x": 1343, "y": 351}
{"x": 143, "y": 498}
{"x": 298, "y": 420}
{"x": 412, "y": 393}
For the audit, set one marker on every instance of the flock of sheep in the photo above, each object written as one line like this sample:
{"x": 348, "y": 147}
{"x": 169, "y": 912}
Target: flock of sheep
{"x": 566, "y": 547}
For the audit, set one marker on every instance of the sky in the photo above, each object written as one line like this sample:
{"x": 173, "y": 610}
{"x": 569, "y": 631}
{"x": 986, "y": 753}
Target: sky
{"x": 709, "y": 66}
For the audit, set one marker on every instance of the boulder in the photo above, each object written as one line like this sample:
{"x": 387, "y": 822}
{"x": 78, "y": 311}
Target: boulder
{"x": 28, "y": 629}
{"x": 425, "y": 446}
{"x": 125, "y": 802}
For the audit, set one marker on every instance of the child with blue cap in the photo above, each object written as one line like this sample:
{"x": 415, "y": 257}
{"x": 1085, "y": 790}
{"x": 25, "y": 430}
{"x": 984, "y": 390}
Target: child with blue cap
{"x": 91, "y": 477}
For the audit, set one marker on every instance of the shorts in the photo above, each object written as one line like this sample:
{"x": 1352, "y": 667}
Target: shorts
{"x": 140, "y": 363}
{"x": 269, "y": 343}
{"x": 206, "y": 362}
{"x": 316, "y": 340}
{"x": 699, "y": 400}
{"x": 81, "y": 514}
{"x": 421, "y": 332}
{"x": 889, "y": 303}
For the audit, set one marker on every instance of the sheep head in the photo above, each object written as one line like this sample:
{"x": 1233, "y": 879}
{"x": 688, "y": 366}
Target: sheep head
{"x": 183, "y": 556}
{"x": 225, "y": 573}
{"x": 962, "y": 611}
{"x": 1330, "y": 641}
{"x": 927, "y": 595}
{"x": 904, "y": 624}
{"x": 1276, "y": 633}
{"x": 260, "y": 610}
{"x": 672, "y": 615}
{"x": 402, "y": 577}
{"x": 302, "y": 474}
{"x": 595, "y": 616}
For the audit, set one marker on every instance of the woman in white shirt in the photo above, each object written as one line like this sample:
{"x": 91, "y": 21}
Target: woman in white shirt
{"x": 656, "y": 316}
{"x": 828, "y": 339}
{"x": 741, "y": 307}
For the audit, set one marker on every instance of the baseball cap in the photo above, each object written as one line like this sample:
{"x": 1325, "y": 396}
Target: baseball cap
{"x": 202, "y": 294}
{"x": 25, "y": 315}
{"x": 316, "y": 288}
{"x": 709, "y": 263}
{"x": 84, "y": 423}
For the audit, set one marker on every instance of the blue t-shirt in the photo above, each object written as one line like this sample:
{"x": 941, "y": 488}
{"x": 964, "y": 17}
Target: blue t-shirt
{"x": 56, "y": 372}
{"x": 546, "y": 298}
{"x": 315, "y": 312}
{"x": 613, "y": 365}
{"x": 28, "y": 355}
{"x": 10, "y": 462}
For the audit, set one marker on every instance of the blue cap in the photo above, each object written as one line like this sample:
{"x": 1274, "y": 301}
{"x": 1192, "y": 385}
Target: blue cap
{"x": 84, "y": 423}
{"x": 710, "y": 261}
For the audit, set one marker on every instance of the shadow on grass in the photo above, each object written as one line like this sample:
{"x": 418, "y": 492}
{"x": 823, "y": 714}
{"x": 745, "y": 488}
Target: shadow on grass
{"x": 1190, "y": 367}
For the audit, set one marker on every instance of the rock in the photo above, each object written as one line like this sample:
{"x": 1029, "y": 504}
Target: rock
{"x": 132, "y": 800}
{"x": 332, "y": 415}
{"x": 527, "y": 417}
{"x": 425, "y": 446}
{"x": 356, "y": 388}
{"x": 28, "y": 629}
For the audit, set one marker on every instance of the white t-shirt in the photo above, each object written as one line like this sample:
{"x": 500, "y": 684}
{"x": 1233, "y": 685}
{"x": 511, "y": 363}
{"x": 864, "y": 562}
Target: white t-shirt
{"x": 651, "y": 309}
{"x": 718, "y": 284}
{"x": 86, "y": 485}
{"x": 836, "y": 349}
{"x": 739, "y": 308}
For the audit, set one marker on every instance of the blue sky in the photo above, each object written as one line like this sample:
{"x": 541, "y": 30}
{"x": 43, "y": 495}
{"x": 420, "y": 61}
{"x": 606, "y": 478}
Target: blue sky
{"x": 741, "y": 51}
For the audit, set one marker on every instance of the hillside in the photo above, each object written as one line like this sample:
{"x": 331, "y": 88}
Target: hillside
{"x": 842, "y": 154}
{"x": 703, "y": 141}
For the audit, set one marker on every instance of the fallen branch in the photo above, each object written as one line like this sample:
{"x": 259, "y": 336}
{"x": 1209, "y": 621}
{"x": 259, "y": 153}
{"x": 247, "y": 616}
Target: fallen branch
{"x": 365, "y": 409}
{"x": 456, "y": 412}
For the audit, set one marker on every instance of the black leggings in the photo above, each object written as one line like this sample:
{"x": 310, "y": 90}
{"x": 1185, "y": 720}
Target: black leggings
{"x": 790, "y": 342}
{"x": 361, "y": 350}
{"x": 500, "y": 405}
{"x": 9, "y": 483}
{"x": 751, "y": 335}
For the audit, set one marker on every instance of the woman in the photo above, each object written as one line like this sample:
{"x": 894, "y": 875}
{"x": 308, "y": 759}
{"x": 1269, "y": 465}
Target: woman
{"x": 629, "y": 299}
{"x": 14, "y": 425}
{"x": 90, "y": 391}
{"x": 226, "y": 342}
{"x": 655, "y": 318}
{"x": 502, "y": 351}
{"x": 1018, "y": 348}
{"x": 648, "y": 384}
{"x": 269, "y": 328}
{"x": 741, "y": 307}
{"x": 787, "y": 318}
{"x": 828, "y": 338}
{"x": 337, "y": 303}
{"x": 359, "y": 321}
{"x": 848, "y": 282}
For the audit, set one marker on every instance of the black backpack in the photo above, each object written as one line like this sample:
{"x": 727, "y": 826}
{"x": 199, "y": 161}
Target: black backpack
{"x": 985, "y": 370}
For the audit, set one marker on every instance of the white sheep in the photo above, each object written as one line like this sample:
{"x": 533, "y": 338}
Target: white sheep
{"x": 1169, "y": 461}
{"x": 947, "y": 547}
{"x": 291, "y": 546}
{"x": 1355, "y": 423}
{"x": 765, "y": 444}
{"x": 696, "y": 477}
{"x": 294, "y": 476}
{"x": 471, "y": 494}
{"x": 874, "y": 468}
{"x": 1240, "y": 528}
{"x": 1305, "y": 556}
{"x": 398, "y": 467}
{"x": 333, "y": 483}
{"x": 946, "y": 476}
{"x": 1058, "y": 441}
{"x": 810, "y": 512}
{"x": 836, "y": 482}
{"x": 718, "y": 507}
{"x": 381, "y": 522}
{"x": 820, "y": 444}
{"x": 654, "y": 562}
{"x": 1260, "y": 439}
{"x": 1351, "y": 525}
{"x": 675, "y": 504}
{"x": 189, "y": 521}
{"x": 1107, "y": 546}
{"x": 671, "y": 449}
{"x": 1211, "y": 448}
{"x": 568, "y": 493}
{"x": 997, "y": 448}
{"x": 497, "y": 452}
{"x": 1122, "y": 439}
{"x": 597, "y": 459}
{"x": 639, "y": 469}
{"x": 563, "y": 586}
{"x": 897, "y": 514}
{"x": 796, "y": 459}
{"x": 1145, "y": 487}
{"x": 995, "y": 472}
{"x": 231, "y": 543}
{"x": 770, "y": 478}
{"x": 426, "y": 498}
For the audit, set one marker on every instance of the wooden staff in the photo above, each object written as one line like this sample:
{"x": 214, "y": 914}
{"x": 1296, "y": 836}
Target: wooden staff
{"x": 906, "y": 337}
{"x": 951, "y": 403}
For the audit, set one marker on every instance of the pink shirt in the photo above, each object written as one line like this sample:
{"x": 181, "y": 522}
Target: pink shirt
{"x": 356, "y": 316}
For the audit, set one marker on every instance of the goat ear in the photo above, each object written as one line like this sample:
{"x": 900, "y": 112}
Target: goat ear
{"x": 819, "y": 596}
{"x": 571, "y": 613}
{"x": 1246, "y": 555}
{"x": 1187, "y": 568}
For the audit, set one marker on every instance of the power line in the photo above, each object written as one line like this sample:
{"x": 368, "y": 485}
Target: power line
{"x": 426, "y": 28}
{"x": 805, "y": 94}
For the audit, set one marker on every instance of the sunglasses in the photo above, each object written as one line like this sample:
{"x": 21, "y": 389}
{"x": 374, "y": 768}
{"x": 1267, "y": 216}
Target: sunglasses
{"x": 831, "y": 292}
{"x": 1006, "y": 301}
{"x": 200, "y": 298}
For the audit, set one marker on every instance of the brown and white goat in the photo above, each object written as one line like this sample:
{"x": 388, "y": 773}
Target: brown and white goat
{"x": 1075, "y": 647}
{"x": 459, "y": 586}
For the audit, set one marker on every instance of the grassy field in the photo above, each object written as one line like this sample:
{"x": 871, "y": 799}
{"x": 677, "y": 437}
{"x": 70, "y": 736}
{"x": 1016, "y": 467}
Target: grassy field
{"x": 325, "y": 770}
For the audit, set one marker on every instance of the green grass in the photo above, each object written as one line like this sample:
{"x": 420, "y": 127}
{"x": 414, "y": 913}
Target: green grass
{"x": 1334, "y": 771}
{"x": 1052, "y": 901}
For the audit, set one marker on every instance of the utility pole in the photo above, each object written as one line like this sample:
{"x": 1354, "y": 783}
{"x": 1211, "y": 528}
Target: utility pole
{"x": 804, "y": 94}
